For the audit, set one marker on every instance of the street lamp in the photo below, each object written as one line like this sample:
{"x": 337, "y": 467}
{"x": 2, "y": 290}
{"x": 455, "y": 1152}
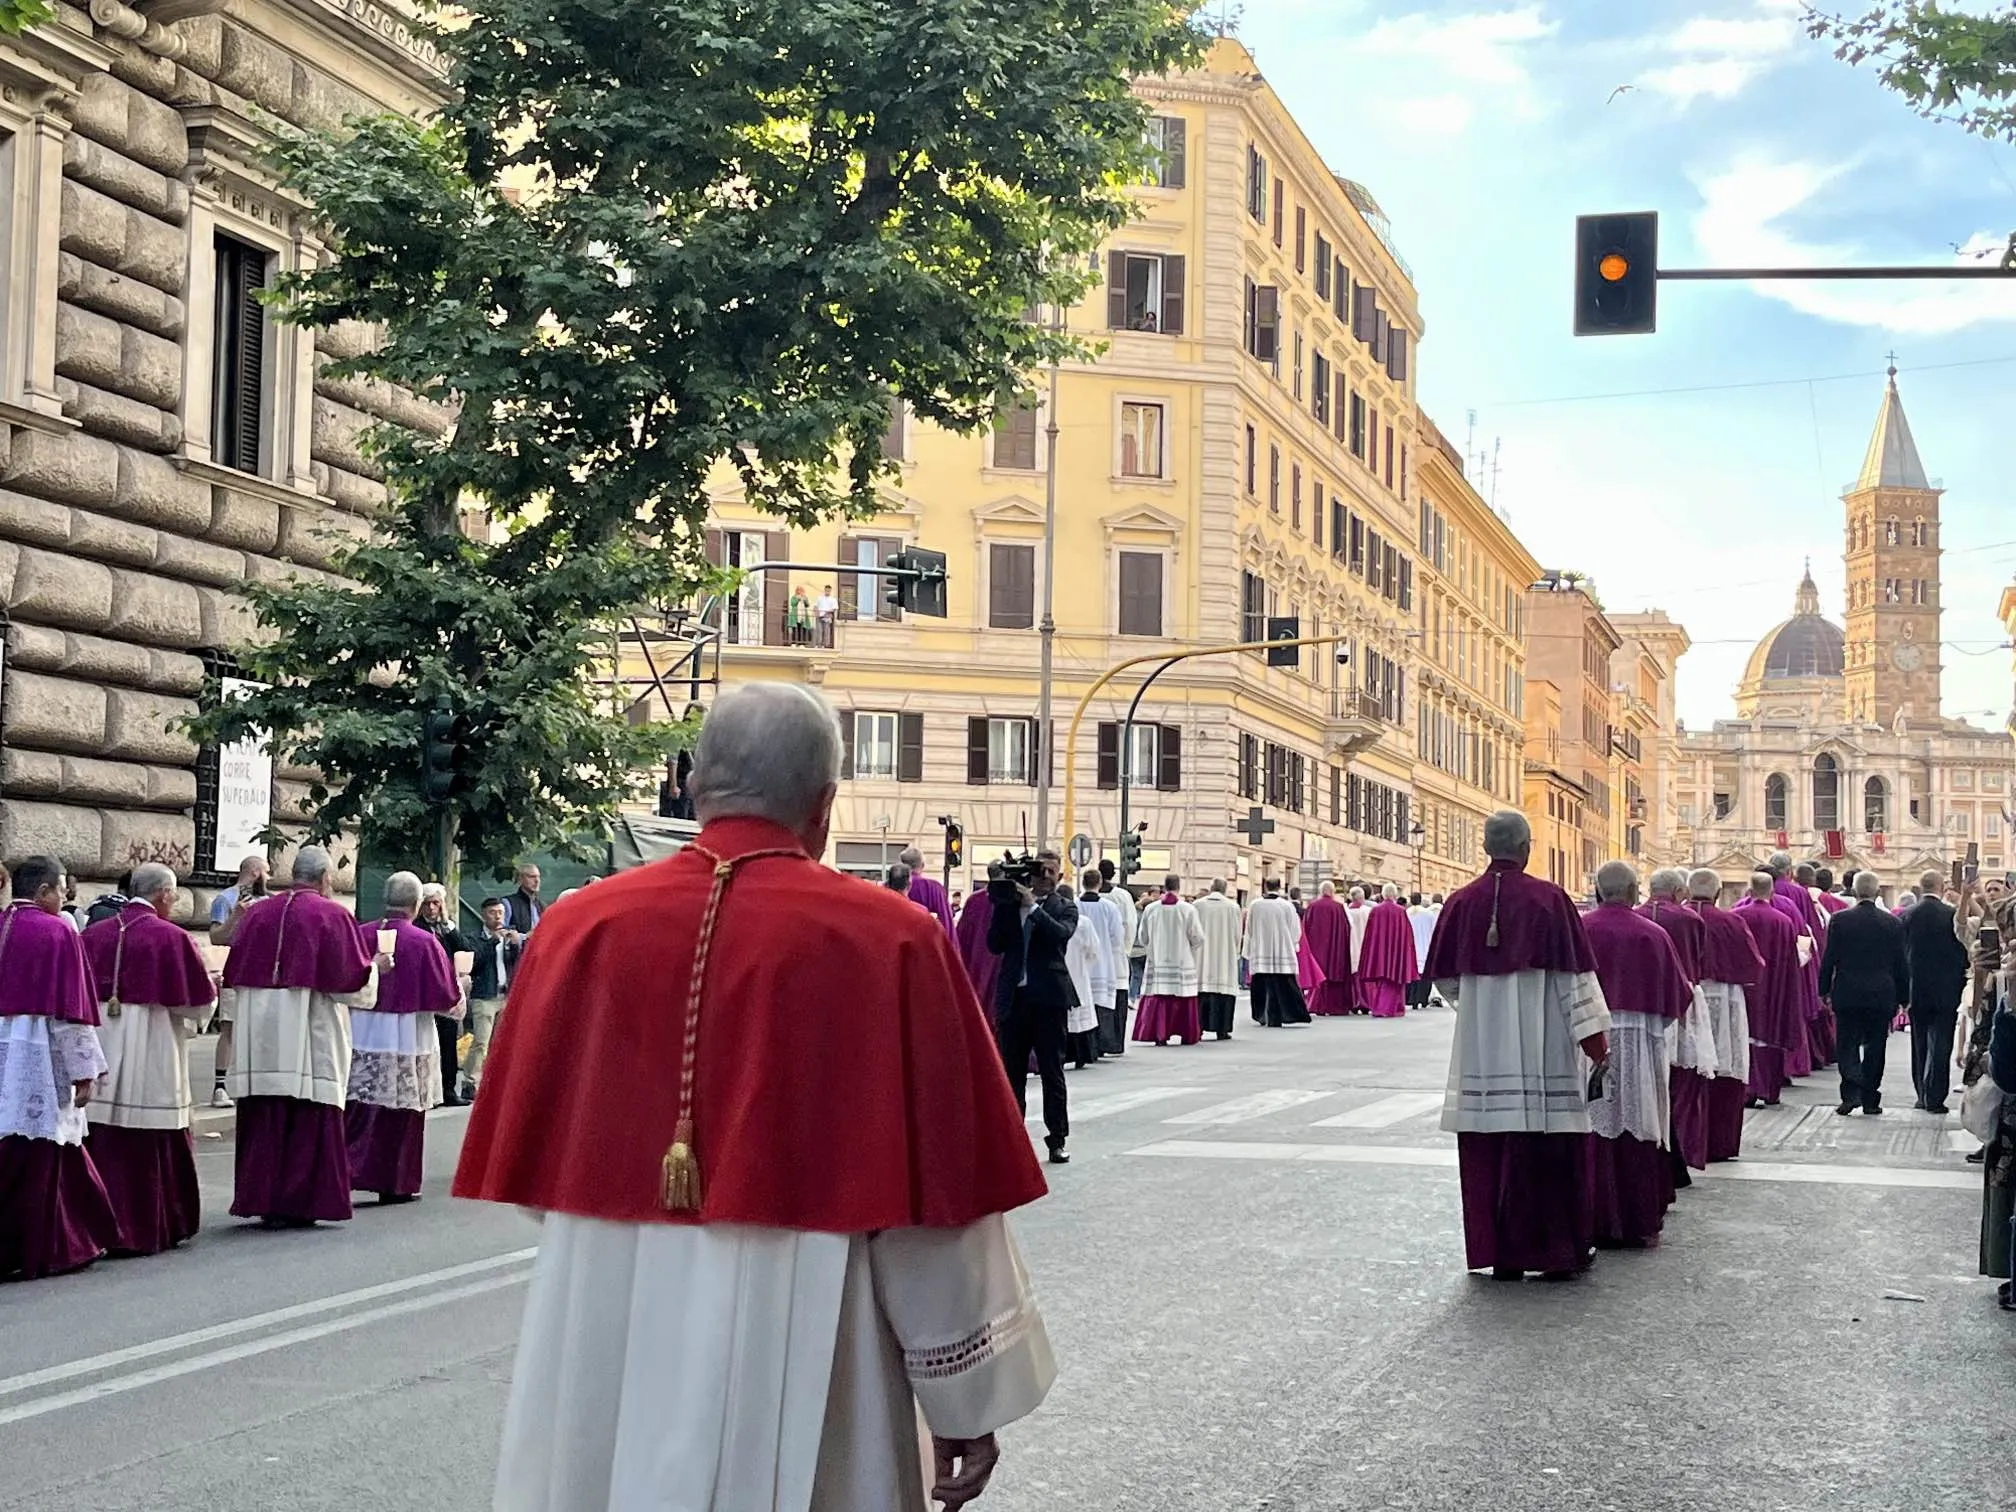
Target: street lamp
{"x": 1046, "y": 629}
{"x": 1418, "y": 838}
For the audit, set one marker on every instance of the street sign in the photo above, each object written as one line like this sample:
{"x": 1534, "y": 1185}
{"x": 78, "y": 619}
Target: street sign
{"x": 1081, "y": 851}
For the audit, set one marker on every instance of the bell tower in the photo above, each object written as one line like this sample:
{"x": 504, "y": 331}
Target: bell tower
{"x": 1892, "y": 558}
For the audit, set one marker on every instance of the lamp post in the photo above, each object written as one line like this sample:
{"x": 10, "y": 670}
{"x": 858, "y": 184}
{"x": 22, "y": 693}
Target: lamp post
{"x": 1046, "y": 630}
{"x": 1418, "y": 838}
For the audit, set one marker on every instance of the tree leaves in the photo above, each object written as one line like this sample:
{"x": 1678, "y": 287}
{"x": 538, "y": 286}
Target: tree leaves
{"x": 1948, "y": 64}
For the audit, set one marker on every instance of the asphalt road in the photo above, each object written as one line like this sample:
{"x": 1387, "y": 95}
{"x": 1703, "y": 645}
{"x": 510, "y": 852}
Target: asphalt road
{"x": 1252, "y": 1274}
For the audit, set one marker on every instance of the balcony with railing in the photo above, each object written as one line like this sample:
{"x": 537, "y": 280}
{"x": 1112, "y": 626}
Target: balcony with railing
{"x": 1358, "y": 720}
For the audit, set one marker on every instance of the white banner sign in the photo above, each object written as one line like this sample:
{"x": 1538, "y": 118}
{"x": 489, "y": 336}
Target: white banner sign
{"x": 244, "y": 792}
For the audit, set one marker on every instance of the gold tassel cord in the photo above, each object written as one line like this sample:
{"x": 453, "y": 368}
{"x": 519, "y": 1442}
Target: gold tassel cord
{"x": 681, "y": 1189}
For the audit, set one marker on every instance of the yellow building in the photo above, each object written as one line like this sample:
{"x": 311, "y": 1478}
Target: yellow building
{"x": 1244, "y": 448}
{"x": 1470, "y": 702}
{"x": 1644, "y": 714}
{"x": 1554, "y": 798}
{"x": 1570, "y": 642}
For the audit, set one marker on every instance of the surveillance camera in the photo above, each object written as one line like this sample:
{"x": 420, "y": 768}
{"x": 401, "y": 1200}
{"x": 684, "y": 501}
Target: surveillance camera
{"x": 1343, "y": 658}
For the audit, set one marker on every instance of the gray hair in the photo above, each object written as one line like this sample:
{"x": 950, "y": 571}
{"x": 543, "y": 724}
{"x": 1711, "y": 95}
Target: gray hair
{"x": 1806, "y": 874}
{"x": 911, "y": 857}
{"x": 1218, "y": 884}
{"x": 1908, "y": 900}
{"x": 1762, "y": 884}
{"x": 1328, "y": 889}
{"x": 1506, "y": 833}
{"x": 1389, "y": 892}
{"x": 402, "y": 893}
{"x": 1704, "y": 882}
{"x": 311, "y": 865}
{"x": 1616, "y": 882}
{"x": 1667, "y": 882}
{"x": 1780, "y": 863}
{"x": 1357, "y": 895}
{"x": 767, "y": 751}
{"x": 150, "y": 880}
{"x": 1868, "y": 885}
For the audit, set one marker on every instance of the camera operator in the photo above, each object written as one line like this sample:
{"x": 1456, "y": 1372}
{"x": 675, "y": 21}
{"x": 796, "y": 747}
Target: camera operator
{"x": 1031, "y": 924}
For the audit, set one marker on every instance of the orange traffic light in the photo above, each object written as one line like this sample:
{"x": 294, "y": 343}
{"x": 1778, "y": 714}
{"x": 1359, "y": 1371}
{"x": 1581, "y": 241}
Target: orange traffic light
{"x": 1614, "y": 267}
{"x": 1616, "y": 274}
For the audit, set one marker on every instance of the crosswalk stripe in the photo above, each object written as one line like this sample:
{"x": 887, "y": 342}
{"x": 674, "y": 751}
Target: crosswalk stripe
{"x": 1384, "y": 1113}
{"x": 1120, "y": 1102}
{"x": 1254, "y": 1105}
{"x": 1960, "y": 1142}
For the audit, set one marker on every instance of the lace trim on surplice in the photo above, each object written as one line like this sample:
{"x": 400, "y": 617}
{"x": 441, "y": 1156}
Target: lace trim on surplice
{"x": 991, "y": 1340}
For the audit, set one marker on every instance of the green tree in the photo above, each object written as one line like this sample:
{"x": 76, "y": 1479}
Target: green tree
{"x": 649, "y": 241}
{"x": 16, "y": 16}
{"x": 1951, "y": 65}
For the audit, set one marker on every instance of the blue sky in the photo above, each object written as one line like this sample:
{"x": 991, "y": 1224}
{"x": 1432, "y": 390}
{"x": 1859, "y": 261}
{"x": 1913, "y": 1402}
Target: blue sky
{"x": 1485, "y": 129}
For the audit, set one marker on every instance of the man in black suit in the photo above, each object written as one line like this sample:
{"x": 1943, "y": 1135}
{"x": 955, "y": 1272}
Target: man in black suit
{"x": 1938, "y": 977}
{"x": 1029, "y": 929}
{"x": 1865, "y": 977}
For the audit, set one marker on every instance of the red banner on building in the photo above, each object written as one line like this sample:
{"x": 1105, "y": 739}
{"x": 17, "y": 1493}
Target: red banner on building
{"x": 1837, "y": 846}
{"x": 1784, "y": 841}
{"x": 1876, "y": 841}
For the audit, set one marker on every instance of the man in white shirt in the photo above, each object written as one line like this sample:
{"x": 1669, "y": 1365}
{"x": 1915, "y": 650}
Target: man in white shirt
{"x": 1422, "y": 916}
{"x": 825, "y": 609}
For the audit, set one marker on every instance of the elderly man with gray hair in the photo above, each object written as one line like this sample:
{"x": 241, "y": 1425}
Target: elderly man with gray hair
{"x": 768, "y": 1127}
{"x": 1509, "y": 954}
{"x": 298, "y": 965}
{"x": 395, "y": 1063}
{"x": 151, "y": 985}
{"x": 1649, "y": 995}
{"x": 1731, "y": 970}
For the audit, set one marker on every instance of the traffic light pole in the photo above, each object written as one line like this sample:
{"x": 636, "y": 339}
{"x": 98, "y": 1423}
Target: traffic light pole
{"x": 1070, "y": 814}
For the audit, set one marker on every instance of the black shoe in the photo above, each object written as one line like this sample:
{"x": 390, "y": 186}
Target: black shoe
{"x": 1978, "y": 1156}
{"x": 1059, "y": 1157}
{"x": 1940, "y": 1109}
{"x": 1507, "y": 1273}
{"x": 397, "y": 1199}
{"x": 1872, "y": 1112}
{"x": 1920, "y": 1107}
{"x": 1844, "y": 1110}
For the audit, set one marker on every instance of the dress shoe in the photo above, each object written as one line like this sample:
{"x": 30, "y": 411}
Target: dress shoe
{"x": 1059, "y": 1157}
{"x": 1872, "y": 1112}
{"x": 1844, "y": 1110}
{"x": 1979, "y": 1156}
{"x": 1939, "y": 1108}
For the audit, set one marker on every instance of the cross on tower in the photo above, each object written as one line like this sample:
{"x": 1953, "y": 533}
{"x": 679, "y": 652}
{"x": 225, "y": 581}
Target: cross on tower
{"x": 1256, "y": 826}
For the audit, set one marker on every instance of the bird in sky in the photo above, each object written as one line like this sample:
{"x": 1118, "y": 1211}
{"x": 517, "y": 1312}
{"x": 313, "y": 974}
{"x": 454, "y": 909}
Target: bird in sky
{"x": 1620, "y": 89}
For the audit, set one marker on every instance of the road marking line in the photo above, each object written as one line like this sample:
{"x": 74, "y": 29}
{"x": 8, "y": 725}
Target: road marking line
{"x": 1384, "y": 1113}
{"x": 1443, "y": 1156}
{"x": 1254, "y": 1105}
{"x": 190, "y": 1340}
{"x": 1120, "y": 1102}
{"x": 1960, "y": 1142}
{"x": 118, "y": 1385}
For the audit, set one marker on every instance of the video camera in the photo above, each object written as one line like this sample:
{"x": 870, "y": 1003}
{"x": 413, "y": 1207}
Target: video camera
{"x": 1011, "y": 872}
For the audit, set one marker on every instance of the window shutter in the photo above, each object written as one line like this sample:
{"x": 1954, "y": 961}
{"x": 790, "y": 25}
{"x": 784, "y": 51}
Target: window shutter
{"x": 776, "y": 588}
{"x": 1172, "y": 296}
{"x": 1266, "y": 322}
{"x": 1301, "y": 239}
{"x": 976, "y": 752}
{"x": 1175, "y": 151}
{"x": 1280, "y": 210}
{"x": 884, "y": 610}
{"x": 716, "y": 547}
{"x": 1340, "y": 291}
{"x": 909, "y": 747}
{"x": 1109, "y": 754}
{"x": 847, "y": 746}
{"x": 248, "y": 373}
{"x": 1316, "y": 512}
{"x": 1396, "y": 355}
{"x": 1116, "y": 291}
{"x": 1038, "y": 752}
{"x": 1338, "y": 416}
{"x": 849, "y": 585}
{"x": 1140, "y": 593}
{"x": 1169, "y": 779}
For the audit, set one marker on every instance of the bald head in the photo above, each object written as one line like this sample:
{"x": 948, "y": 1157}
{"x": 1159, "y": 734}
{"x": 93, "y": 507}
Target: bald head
{"x": 1702, "y": 882}
{"x": 1762, "y": 884}
{"x": 1668, "y": 882}
{"x": 1930, "y": 883}
{"x": 1508, "y": 837}
{"x": 1617, "y": 882}
{"x": 769, "y": 751}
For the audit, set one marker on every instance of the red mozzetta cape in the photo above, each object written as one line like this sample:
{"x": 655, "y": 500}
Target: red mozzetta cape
{"x": 847, "y": 1081}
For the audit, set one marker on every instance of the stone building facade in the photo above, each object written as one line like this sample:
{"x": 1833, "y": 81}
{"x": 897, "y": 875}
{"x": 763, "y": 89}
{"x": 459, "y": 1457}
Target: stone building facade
{"x": 162, "y": 441}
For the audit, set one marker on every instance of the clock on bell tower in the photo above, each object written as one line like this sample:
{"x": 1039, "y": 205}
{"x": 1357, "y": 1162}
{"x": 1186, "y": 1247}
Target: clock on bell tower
{"x": 1892, "y": 557}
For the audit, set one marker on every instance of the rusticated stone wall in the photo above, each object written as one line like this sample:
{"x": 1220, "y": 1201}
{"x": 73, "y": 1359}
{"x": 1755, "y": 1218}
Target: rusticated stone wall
{"x": 122, "y": 544}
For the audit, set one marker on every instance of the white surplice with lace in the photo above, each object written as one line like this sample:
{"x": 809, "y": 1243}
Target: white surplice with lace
{"x": 41, "y": 1061}
{"x": 724, "y": 1368}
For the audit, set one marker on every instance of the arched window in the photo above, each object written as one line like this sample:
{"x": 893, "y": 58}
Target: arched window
{"x": 1826, "y": 793}
{"x": 1875, "y": 806}
{"x": 1920, "y": 536}
{"x": 1892, "y": 536}
{"x": 1775, "y": 790}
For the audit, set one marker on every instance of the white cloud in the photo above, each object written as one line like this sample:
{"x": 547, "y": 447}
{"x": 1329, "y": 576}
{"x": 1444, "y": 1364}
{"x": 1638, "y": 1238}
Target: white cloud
{"x": 1741, "y": 223}
{"x": 1443, "y": 115}
{"x": 1487, "y": 49}
{"x": 1718, "y": 57}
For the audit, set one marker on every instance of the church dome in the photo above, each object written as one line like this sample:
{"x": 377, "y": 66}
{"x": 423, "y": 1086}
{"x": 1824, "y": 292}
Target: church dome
{"x": 1806, "y": 645}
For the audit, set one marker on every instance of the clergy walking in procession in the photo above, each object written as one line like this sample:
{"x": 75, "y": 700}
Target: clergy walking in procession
{"x": 1218, "y": 961}
{"x": 395, "y": 1055}
{"x": 773, "y": 1243}
{"x": 926, "y": 892}
{"x": 1359, "y": 910}
{"x": 1386, "y": 961}
{"x": 298, "y": 964}
{"x": 1731, "y": 970}
{"x": 1793, "y": 901}
{"x": 1777, "y": 1012}
{"x": 1089, "y": 959}
{"x": 1122, "y": 901}
{"x": 55, "y": 1215}
{"x": 1273, "y": 936}
{"x": 1327, "y": 934}
{"x": 1510, "y": 956}
{"x": 1171, "y": 980}
{"x": 151, "y": 985}
{"x": 1630, "y": 1179}
{"x": 1421, "y": 918}
{"x": 1692, "y": 1041}
{"x": 970, "y": 934}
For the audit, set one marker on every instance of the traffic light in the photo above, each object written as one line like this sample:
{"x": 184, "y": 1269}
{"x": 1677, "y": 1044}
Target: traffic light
{"x": 922, "y": 594}
{"x": 1130, "y": 854}
{"x": 1617, "y": 274}
{"x": 955, "y": 846}
{"x": 437, "y": 752}
{"x": 1285, "y": 629}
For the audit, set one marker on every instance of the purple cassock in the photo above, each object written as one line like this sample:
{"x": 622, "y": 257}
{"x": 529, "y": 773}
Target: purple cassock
{"x": 982, "y": 965}
{"x": 1525, "y": 1192}
{"x": 1777, "y": 1020}
{"x": 1815, "y": 1046}
{"x": 55, "y": 1215}
{"x": 293, "y": 952}
{"x": 395, "y": 1060}
{"x": 930, "y": 896}
{"x": 1326, "y": 935}
{"x": 1386, "y": 960}
{"x": 1630, "y": 1176}
{"x": 1728, "y": 955}
{"x": 151, "y": 982}
{"x": 1690, "y": 1085}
